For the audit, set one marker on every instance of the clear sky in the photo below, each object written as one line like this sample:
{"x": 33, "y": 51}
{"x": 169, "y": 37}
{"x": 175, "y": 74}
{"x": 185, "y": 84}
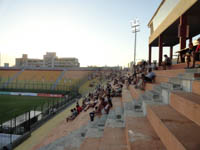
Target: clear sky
{"x": 97, "y": 32}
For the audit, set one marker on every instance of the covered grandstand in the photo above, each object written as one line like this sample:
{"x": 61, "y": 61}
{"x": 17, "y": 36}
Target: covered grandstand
{"x": 174, "y": 22}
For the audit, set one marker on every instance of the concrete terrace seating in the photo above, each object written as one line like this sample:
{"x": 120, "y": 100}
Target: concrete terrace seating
{"x": 5, "y": 75}
{"x": 43, "y": 76}
{"x": 35, "y": 79}
{"x": 74, "y": 75}
{"x": 168, "y": 118}
{"x": 161, "y": 76}
{"x": 105, "y": 132}
{"x": 71, "y": 77}
{"x": 170, "y": 121}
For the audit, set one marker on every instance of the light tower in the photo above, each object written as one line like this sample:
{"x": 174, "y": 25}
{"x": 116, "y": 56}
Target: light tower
{"x": 135, "y": 28}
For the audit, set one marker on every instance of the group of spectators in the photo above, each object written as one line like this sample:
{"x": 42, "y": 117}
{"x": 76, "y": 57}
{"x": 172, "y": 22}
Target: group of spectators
{"x": 74, "y": 112}
{"x": 142, "y": 74}
{"x": 101, "y": 99}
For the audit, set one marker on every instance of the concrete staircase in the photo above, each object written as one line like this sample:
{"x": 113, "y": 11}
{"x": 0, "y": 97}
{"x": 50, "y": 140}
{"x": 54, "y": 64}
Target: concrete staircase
{"x": 164, "y": 117}
{"x": 97, "y": 134}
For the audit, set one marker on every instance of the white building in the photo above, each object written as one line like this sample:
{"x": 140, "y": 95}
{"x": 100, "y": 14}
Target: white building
{"x": 49, "y": 60}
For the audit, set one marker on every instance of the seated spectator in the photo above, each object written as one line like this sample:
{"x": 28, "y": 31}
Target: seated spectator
{"x": 92, "y": 115}
{"x": 107, "y": 108}
{"x": 78, "y": 108}
{"x": 189, "y": 56}
{"x": 150, "y": 76}
{"x": 96, "y": 110}
{"x": 140, "y": 83}
{"x": 75, "y": 112}
{"x": 84, "y": 103}
{"x": 109, "y": 100}
{"x": 71, "y": 117}
{"x": 155, "y": 65}
{"x": 196, "y": 53}
{"x": 167, "y": 62}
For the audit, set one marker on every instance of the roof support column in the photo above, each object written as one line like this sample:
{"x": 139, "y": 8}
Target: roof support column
{"x": 160, "y": 45}
{"x": 150, "y": 54}
{"x": 171, "y": 52}
{"x": 190, "y": 40}
{"x": 183, "y": 31}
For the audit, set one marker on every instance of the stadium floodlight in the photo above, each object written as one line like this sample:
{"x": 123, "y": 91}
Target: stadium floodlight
{"x": 135, "y": 28}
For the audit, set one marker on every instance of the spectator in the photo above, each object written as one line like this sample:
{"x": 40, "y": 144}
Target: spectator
{"x": 150, "y": 76}
{"x": 109, "y": 100}
{"x": 197, "y": 52}
{"x": 75, "y": 112}
{"x": 78, "y": 108}
{"x": 92, "y": 114}
{"x": 190, "y": 56}
{"x": 107, "y": 108}
{"x": 198, "y": 46}
{"x": 71, "y": 117}
{"x": 167, "y": 62}
{"x": 155, "y": 65}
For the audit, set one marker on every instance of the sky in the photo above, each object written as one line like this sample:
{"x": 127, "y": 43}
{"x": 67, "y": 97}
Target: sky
{"x": 97, "y": 32}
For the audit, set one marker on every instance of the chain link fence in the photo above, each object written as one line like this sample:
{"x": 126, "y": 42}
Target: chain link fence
{"x": 14, "y": 131}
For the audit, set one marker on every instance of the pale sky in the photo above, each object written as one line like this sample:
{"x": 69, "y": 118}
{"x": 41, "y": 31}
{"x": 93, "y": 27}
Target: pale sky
{"x": 97, "y": 32}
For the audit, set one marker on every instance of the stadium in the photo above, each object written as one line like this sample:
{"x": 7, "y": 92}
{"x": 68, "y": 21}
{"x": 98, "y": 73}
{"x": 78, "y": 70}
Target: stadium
{"x": 31, "y": 96}
{"x": 145, "y": 106}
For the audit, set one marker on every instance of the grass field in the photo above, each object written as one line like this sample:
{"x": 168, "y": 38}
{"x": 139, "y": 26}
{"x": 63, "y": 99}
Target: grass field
{"x": 11, "y": 106}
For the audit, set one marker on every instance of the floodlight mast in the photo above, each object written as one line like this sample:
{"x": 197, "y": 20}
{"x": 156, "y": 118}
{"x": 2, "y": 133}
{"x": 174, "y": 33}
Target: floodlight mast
{"x": 135, "y": 28}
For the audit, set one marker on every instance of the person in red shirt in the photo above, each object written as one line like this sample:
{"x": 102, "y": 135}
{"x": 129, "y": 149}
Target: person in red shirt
{"x": 196, "y": 53}
{"x": 198, "y": 47}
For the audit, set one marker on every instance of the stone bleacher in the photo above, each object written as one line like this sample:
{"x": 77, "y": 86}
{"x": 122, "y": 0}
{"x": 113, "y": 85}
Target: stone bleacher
{"x": 165, "y": 116}
{"x": 45, "y": 76}
{"x": 52, "y": 78}
{"x": 7, "y": 74}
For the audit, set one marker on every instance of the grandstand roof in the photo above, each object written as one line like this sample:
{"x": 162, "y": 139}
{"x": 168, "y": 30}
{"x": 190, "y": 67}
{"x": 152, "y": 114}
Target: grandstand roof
{"x": 156, "y": 11}
{"x": 170, "y": 25}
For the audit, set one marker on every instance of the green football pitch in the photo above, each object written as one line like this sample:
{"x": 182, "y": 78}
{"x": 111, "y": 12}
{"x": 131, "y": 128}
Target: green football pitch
{"x": 12, "y": 106}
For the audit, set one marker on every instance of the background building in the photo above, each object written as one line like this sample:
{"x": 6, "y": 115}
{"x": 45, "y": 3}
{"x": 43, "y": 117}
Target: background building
{"x": 49, "y": 60}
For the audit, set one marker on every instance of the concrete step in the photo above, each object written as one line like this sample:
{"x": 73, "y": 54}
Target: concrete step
{"x": 135, "y": 93}
{"x": 149, "y": 86}
{"x": 157, "y": 88}
{"x": 71, "y": 141}
{"x": 95, "y": 129}
{"x": 169, "y": 73}
{"x": 113, "y": 139}
{"x": 102, "y": 120}
{"x": 160, "y": 78}
{"x": 189, "y": 76}
{"x": 126, "y": 95}
{"x": 196, "y": 86}
{"x": 175, "y": 131}
{"x": 131, "y": 110}
{"x": 188, "y": 104}
{"x": 175, "y": 80}
{"x": 149, "y": 97}
{"x": 153, "y": 95}
{"x": 115, "y": 118}
{"x": 171, "y": 86}
{"x": 195, "y": 70}
{"x": 90, "y": 144}
{"x": 187, "y": 84}
{"x": 141, "y": 136}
